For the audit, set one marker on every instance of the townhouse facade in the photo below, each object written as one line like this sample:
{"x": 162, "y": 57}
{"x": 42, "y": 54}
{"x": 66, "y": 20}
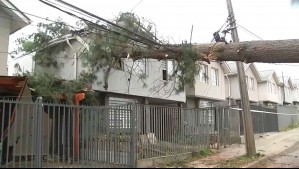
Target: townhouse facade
{"x": 232, "y": 84}
{"x": 209, "y": 87}
{"x": 123, "y": 87}
{"x": 287, "y": 90}
{"x": 11, "y": 20}
{"x": 270, "y": 89}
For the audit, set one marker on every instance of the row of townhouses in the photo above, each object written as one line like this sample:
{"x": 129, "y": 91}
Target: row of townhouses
{"x": 216, "y": 84}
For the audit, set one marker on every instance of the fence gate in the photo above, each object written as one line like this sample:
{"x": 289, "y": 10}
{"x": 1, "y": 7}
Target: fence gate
{"x": 66, "y": 136}
{"x": 228, "y": 125}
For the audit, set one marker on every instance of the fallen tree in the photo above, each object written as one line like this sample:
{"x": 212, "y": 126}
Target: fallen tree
{"x": 270, "y": 51}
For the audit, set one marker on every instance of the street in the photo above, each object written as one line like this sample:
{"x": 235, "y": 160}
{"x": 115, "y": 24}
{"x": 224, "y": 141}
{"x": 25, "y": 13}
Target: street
{"x": 287, "y": 159}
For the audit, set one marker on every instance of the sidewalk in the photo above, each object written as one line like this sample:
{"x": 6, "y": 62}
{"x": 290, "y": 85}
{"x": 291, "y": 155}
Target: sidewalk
{"x": 268, "y": 144}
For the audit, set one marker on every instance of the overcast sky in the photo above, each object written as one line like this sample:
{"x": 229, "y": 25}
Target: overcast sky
{"x": 269, "y": 19}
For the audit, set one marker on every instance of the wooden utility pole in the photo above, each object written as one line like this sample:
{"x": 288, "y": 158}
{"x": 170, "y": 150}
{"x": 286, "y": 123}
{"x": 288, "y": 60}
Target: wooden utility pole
{"x": 247, "y": 119}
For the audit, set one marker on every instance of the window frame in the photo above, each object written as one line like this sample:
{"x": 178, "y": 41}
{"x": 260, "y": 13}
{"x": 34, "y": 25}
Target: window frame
{"x": 205, "y": 78}
{"x": 214, "y": 76}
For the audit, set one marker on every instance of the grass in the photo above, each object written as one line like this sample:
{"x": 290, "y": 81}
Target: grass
{"x": 195, "y": 156}
{"x": 239, "y": 162}
{"x": 290, "y": 127}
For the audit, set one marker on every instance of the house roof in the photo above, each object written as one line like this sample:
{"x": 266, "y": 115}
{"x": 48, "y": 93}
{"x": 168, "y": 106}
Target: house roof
{"x": 285, "y": 80}
{"x": 295, "y": 82}
{"x": 11, "y": 84}
{"x": 265, "y": 75}
{"x": 233, "y": 66}
{"x": 18, "y": 18}
{"x": 234, "y": 71}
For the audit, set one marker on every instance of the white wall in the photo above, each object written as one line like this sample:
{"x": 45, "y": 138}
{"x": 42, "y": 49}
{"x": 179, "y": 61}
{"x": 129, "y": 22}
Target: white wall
{"x": 4, "y": 41}
{"x": 118, "y": 79}
{"x": 26, "y": 63}
{"x": 266, "y": 95}
{"x": 207, "y": 90}
{"x": 288, "y": 97}
{"x": 253, "y": 95}
{"x": 295, "y": 93}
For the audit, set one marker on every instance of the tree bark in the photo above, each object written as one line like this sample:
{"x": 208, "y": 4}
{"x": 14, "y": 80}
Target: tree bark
{"x": 270, "y": 51}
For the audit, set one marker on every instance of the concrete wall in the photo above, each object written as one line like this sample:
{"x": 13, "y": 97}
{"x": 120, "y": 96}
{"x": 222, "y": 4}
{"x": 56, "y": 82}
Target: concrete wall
{"x": 118, "y": 79}
{"x": 4, "y": 41}
{"x": 285, "y": 120}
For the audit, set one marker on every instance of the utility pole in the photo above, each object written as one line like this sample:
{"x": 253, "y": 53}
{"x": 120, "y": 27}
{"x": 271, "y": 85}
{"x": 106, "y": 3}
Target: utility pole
{"x": 247, "y": 119}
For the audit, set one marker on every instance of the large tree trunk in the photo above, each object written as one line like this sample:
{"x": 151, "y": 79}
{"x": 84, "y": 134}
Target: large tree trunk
{"x": 271, "y": 51}
{"x": 274, "y": 51}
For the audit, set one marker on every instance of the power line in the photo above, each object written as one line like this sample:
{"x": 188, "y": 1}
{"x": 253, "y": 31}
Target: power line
{"x": 77, "y": 28}
{"x": 249, "y": 31}
{"x": 68, "y": 8}
{"x": 113, "y": 24}
{"x": 36, "y": 16}
{"x": 136, "y": 5}
{"x": 102, "y": 19}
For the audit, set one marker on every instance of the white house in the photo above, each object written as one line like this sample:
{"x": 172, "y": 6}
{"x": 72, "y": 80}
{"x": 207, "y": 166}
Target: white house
{"x": 209, "y": 87}
{"x": 287, "y": 90}
{"x": 233, "y": 87}
{"x": 270, "y": 88}
{"x": 11, "y": 20}
{"x": 123, "y": 87}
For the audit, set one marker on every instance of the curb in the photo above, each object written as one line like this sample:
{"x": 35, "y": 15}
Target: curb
{"x": 261, "y": 161}
{"x": 266, "y": 158}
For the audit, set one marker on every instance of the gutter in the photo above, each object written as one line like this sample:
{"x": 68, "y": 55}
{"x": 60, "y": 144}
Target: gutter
{"x": 76, "y": 62}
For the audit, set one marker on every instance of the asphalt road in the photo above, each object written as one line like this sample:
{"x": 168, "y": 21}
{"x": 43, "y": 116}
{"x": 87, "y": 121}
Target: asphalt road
{"x": 287, "y": 159}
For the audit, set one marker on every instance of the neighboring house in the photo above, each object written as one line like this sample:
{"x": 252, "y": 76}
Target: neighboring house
{"x": 287, "y": 90}
{"x": 295, "y": 92}
{"x": 122, "y": 88}
{"x": 11, "y": 20}
{"x": 209, "y": 87}
{"x": 233, "y": 89}
{"x": 270, "y": 88}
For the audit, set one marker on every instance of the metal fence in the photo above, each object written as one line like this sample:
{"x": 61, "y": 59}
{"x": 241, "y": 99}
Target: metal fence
{"x": 165, "y": 131}
{"x": 262, "y": 122}
{"x": 57, "y": 135}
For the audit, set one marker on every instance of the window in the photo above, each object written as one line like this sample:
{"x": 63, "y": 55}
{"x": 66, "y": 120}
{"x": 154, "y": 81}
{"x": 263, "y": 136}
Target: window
{"x": 170, "y": 67}
{"x": 141, "y": 67}
{"x": 251, "y": 84}
{"x": 164, "y": 70}
{"x": 203, "y": 76}
{"x": 215, "y": 77}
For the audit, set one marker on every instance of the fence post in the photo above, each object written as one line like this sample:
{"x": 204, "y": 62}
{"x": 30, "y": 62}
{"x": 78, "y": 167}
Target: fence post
{"x": 39, "y": 133}
{"x": 218, "y": 126}
{"x": 133, "y": 141}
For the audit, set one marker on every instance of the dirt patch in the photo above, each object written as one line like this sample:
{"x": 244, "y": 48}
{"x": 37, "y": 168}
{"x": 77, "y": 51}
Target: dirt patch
{"x": 239, "y": 162}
